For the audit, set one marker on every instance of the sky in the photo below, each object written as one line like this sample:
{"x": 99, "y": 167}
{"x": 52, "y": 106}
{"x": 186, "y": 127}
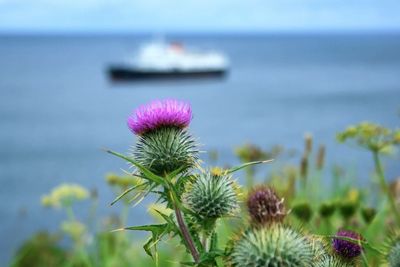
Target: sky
{"x": 198, "y": 16}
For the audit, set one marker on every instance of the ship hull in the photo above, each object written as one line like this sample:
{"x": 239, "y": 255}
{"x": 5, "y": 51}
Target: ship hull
{"x": 121, "y": 74}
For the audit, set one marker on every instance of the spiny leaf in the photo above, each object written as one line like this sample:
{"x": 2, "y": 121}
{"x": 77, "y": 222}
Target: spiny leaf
{"x": 144, "y": 194}
{"x": 175, "y": 173}
{"x": 209, "y": 258}
{"x": 155, "y": 228}
{"x": 124, "y": 193}
{"x": 167, "y": 218}
{"x": 157, "y": 231}
{"x": 148, "y": 174}
{"x": 235, "y": 169}
{"x": 147, "y": 246}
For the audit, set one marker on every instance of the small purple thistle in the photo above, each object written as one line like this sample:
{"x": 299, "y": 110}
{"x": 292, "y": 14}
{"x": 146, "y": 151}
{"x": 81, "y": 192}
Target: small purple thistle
{"x": 159, "y": 113}
{"x": 345, "y": 248}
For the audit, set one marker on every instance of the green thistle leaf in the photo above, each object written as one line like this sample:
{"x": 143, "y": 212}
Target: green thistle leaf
{"x": 127, "y": 191}
{"x": 248, "y": 164}
{"x": 147, "y": 173}
{"x": 157, "y": 231}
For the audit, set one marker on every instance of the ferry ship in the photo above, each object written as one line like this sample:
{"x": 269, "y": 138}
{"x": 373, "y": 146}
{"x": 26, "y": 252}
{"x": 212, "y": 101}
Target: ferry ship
{"x": 170, "y": 60}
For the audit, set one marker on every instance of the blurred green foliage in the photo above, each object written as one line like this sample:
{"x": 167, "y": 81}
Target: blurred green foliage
{"x": 319, "y": 199}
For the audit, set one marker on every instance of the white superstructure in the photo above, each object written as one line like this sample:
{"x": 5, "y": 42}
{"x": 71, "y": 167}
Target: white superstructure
{"x": 175, "y": 57}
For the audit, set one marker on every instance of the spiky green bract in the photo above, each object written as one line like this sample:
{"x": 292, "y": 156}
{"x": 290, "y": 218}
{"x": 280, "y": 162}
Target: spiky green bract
{"x": 165, "y": 150}
{"x": 275, "y": 246}
{"x": 332, "y": 261}
{"x": 318, "y": 246}
{"x": 394, "y": 255}
{"x": 211, "y": 196}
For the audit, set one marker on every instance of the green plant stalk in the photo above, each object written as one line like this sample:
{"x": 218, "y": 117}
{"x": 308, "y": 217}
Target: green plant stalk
{"x": 336, "y": 185}
{"x": 186, "y": 235}
{"x": 70, "y": 212}
{"x": 317, "y": 185}
{"x": 209, "y": 228}
{"x": 204, "y": 241}
{"x": 79, "y": 248}
{"x": 384, "y": 186}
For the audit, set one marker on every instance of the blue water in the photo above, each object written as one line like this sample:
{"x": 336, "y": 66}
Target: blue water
{"x": 58, "y": 109}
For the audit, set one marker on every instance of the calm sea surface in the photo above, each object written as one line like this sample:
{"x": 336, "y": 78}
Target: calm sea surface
{"x": 58, "y": 109}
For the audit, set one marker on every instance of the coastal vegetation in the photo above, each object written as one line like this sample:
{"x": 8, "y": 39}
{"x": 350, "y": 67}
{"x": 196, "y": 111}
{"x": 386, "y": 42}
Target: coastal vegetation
{"x": 303, "y": 212}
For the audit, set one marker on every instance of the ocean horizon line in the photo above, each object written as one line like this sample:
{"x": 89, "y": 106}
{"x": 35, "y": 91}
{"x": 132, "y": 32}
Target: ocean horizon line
{"x": 22, "y": 33}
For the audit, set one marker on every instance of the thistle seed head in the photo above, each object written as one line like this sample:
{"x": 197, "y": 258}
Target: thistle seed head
{"x": 265, "y": 206}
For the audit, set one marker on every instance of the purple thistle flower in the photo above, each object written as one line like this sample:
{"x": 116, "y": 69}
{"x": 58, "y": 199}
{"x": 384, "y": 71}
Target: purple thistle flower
{"x": 159, "y": 113}
{"x": 345, "y": 248}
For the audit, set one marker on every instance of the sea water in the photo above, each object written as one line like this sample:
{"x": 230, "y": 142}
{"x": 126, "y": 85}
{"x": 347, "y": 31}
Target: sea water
{"x": 58, "y": 109}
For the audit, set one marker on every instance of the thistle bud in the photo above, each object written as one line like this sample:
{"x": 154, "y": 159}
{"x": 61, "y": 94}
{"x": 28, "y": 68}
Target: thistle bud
{"x": 211, "y": 196}
{"x": 347, "y": 249}
{"x": 275, "y": 246}
{"x": 265, "y": 206}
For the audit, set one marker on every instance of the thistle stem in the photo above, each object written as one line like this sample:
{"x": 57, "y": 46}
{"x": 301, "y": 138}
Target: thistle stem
{"x": 384, "y": 186}
{"x": 186, "y": 235}
{"x": 204, "y": 242}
